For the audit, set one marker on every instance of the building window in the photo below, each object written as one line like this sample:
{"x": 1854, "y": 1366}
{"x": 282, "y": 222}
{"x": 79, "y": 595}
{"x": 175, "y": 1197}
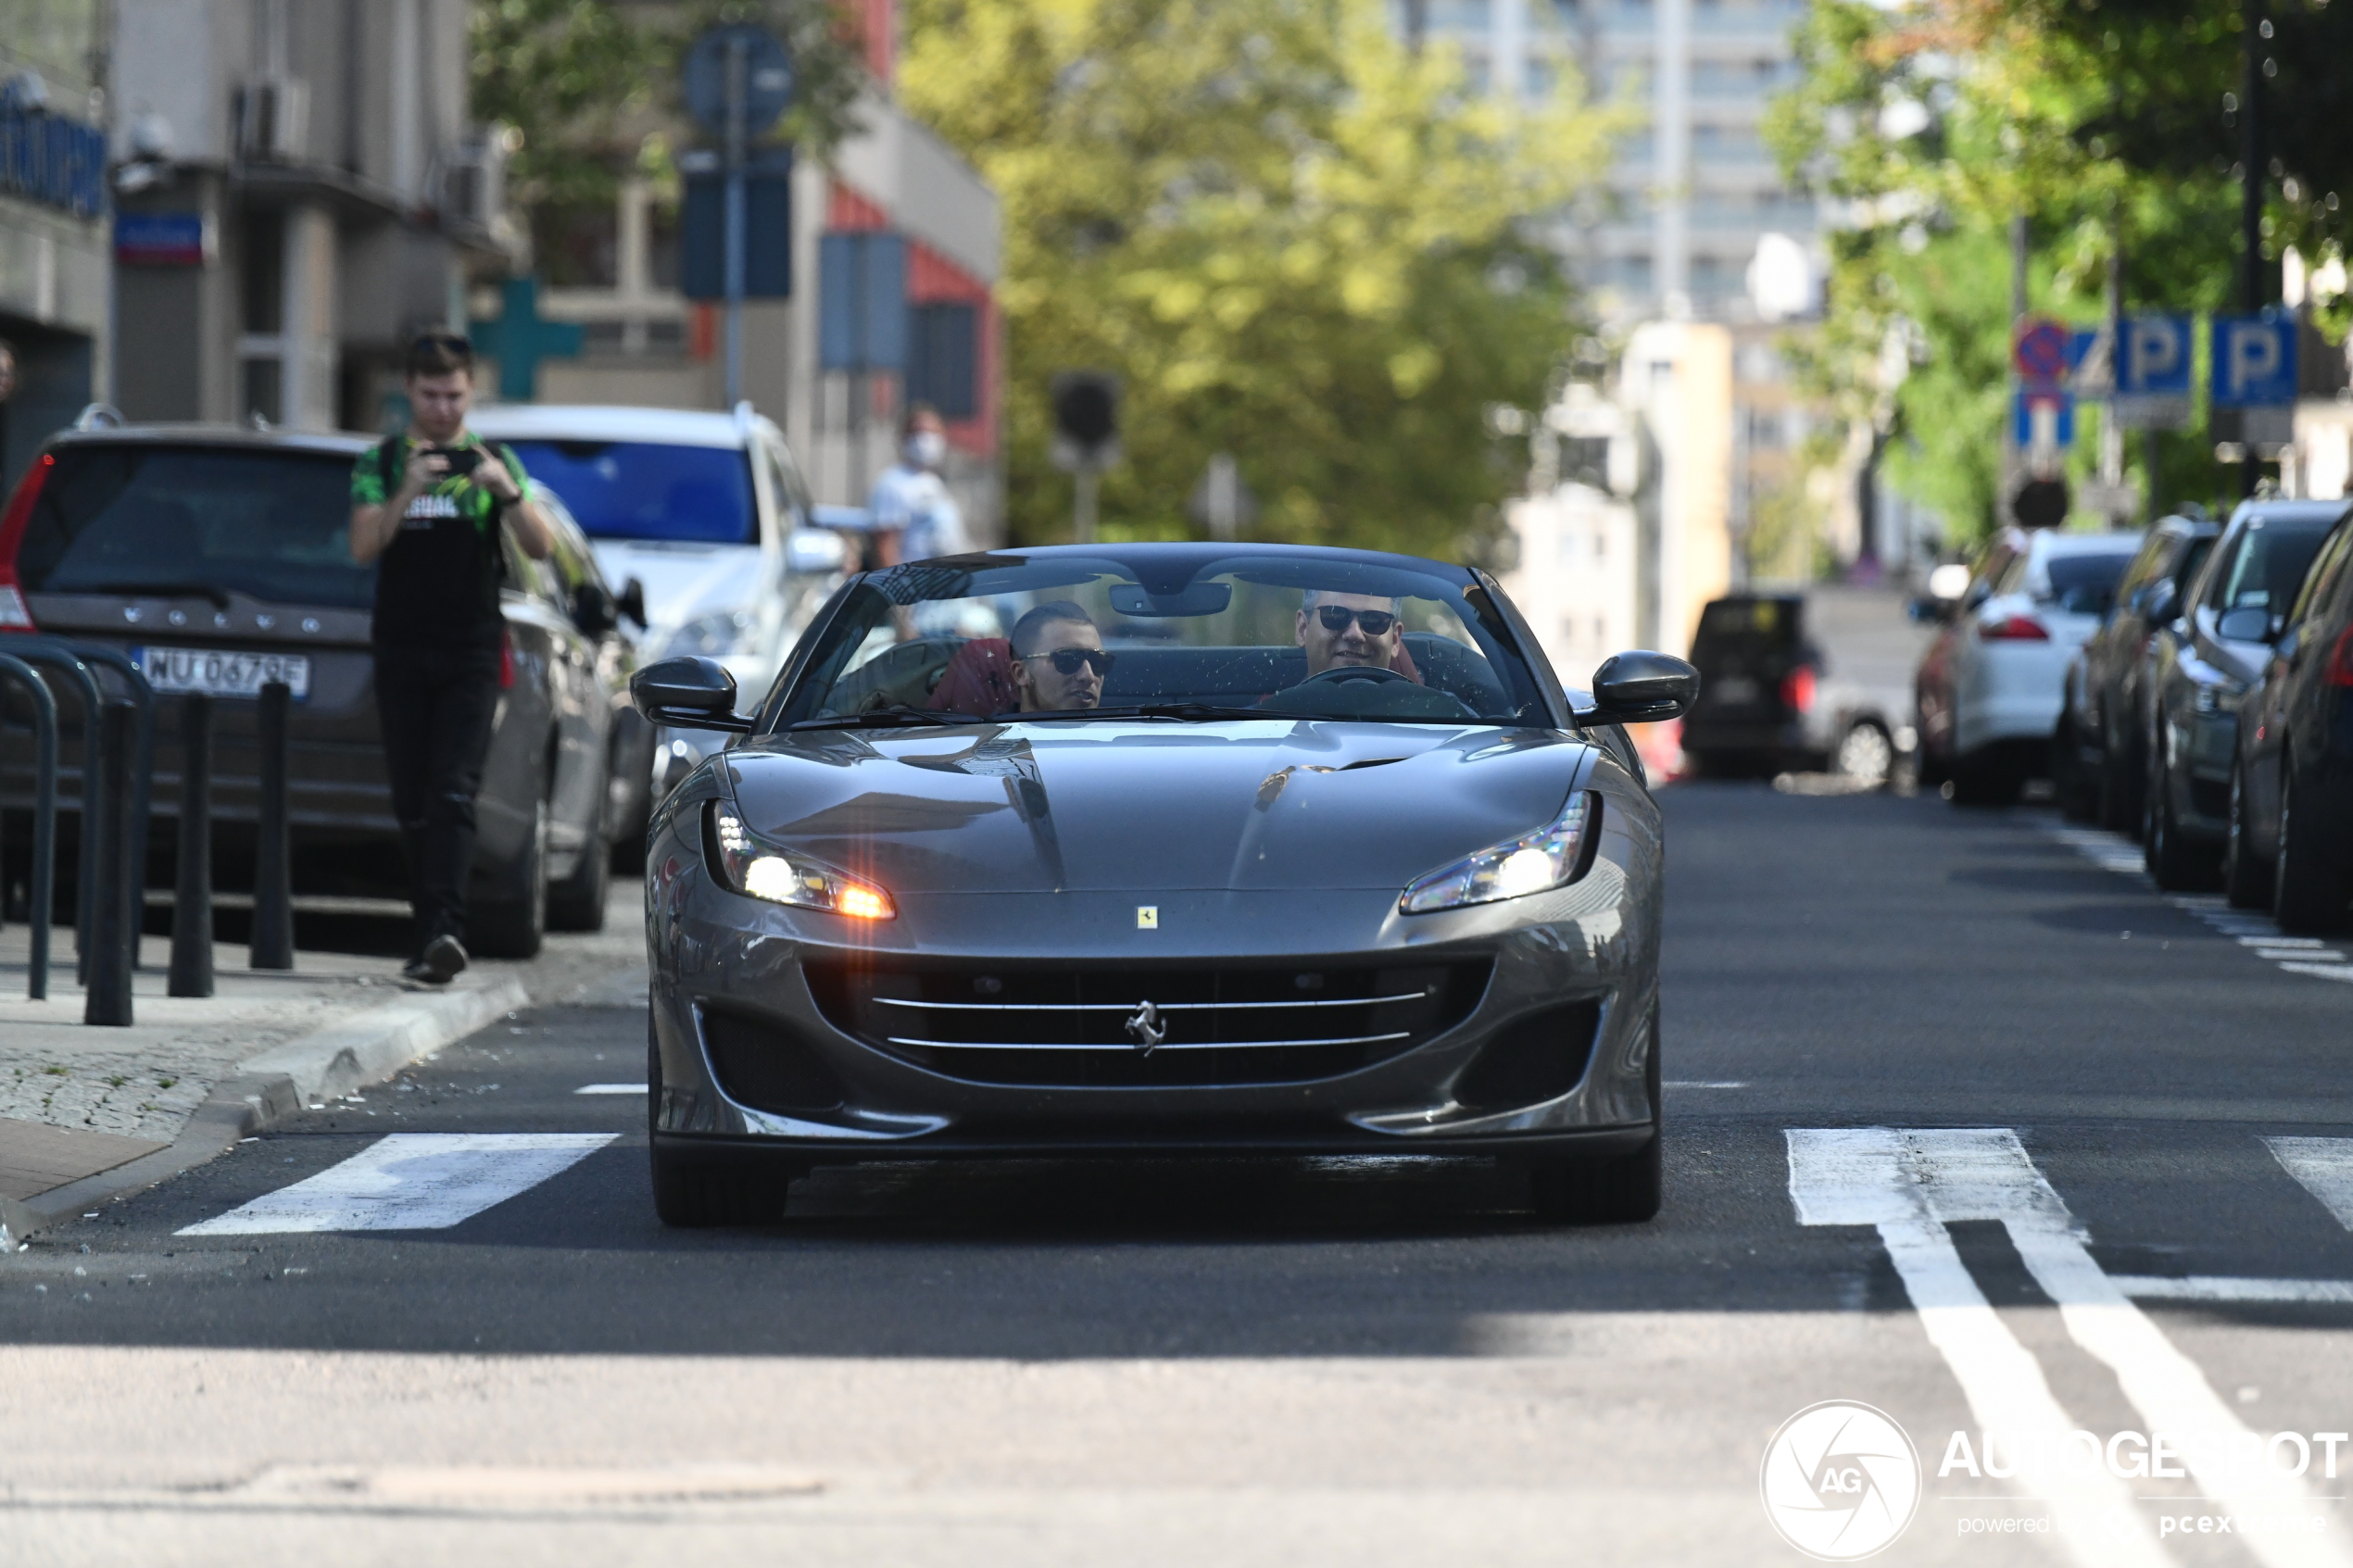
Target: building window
{"x": 943, "y": 358}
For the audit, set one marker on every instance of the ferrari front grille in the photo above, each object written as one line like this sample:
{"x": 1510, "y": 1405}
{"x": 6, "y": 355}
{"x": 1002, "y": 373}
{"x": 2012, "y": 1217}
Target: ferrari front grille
{"x": 1130, "y": 1026}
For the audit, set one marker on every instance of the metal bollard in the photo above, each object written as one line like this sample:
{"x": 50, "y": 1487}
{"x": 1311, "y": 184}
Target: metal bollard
{"x": 44, "y": 823}
{"x": 192, "y": 894}
{"x": 143, "y": 694}
{"x": 57, "y": 656}
{"x": 272, "y": 870}
{"x": 106, "y": 812}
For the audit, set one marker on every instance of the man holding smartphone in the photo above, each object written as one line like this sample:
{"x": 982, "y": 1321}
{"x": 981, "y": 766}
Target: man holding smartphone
{"x": 429, "y": 508}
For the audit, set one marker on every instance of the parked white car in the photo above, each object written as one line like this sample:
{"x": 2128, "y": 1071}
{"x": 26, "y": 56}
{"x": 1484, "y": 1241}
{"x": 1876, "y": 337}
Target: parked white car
{"x": 1996, "y": 680}
{"x": 705, "y": 513}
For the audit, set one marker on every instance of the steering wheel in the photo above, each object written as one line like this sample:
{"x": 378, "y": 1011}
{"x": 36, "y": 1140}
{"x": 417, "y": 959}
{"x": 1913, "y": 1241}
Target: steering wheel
{"x": 1340, "y": 674}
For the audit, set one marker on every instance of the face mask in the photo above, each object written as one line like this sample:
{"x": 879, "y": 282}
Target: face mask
{"x": 925, "y": 448}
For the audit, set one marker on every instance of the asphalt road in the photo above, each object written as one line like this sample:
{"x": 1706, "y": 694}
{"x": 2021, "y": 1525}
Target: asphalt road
{"x": 1282, "y": 1362}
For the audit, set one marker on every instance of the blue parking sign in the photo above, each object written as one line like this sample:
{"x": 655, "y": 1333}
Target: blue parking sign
{"x": 2254, "y": 360}
{"x": 2154, "y": 356}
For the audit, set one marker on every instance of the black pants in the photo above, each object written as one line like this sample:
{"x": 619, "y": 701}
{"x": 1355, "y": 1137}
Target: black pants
{"x": 435, "y": 706}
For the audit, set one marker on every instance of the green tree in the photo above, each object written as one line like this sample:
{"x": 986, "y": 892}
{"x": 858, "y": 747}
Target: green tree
{"x": 1293, "y": 240}
{"x": 1929, "y": 126}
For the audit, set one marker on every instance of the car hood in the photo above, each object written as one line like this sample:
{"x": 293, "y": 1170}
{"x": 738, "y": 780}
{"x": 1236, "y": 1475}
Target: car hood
{"x": 683, "y": 581}
{"x": 1106, "y": 806}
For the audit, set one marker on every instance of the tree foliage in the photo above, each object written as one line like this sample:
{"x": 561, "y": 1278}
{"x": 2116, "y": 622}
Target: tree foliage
{"x": 1292, "y": 239}
{"x": 1930, "y": 125}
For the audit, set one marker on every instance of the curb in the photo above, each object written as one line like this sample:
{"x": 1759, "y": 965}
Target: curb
{"x": 280, "y": 1083}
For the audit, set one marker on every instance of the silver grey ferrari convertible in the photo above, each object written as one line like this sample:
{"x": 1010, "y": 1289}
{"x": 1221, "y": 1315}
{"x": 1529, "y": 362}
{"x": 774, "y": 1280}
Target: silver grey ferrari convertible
{"x": 1152, "y": 850}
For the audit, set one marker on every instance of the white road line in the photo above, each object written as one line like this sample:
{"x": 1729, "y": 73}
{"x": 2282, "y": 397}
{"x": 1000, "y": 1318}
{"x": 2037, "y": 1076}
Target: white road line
{"x": 2295, "y": 955}
{"x": 1858, "y": 1176}
{"x": 2324, "y": 1166}
{"x": 2325, "y": 971}
{"x": 410, "y": 1181}
{"x": 1917, "y": 1182}
{"x": 1700, "y": 1084}
{"x": 2307, "y": 944}
{"x": 610, "y": 1089}
{"x": 2220, "y": 1287}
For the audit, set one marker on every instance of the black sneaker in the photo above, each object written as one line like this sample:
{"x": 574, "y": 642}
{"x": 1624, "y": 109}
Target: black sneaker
{"x": 444, "y": 958}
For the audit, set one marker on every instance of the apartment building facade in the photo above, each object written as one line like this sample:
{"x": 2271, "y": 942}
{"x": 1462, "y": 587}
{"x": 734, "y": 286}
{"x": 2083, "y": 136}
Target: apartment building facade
{"x": 54, "y": 265}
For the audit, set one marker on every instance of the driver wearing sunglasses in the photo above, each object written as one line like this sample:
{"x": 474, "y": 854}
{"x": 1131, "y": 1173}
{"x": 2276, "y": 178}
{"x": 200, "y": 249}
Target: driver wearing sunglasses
{"x": 1059, "y": 662}
{"x": 1339, "y": 630}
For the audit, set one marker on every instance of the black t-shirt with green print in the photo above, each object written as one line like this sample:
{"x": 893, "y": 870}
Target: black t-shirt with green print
{"x": 437, "y": 582}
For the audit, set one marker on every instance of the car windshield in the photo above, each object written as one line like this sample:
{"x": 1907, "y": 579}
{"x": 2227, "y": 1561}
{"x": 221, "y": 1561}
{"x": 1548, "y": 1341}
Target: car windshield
{"x": 133, "y": 518}
{"x": 2269, "y": 565}
{"x": 649, "y": 490}
{"x": 2081, "y": 581}
{"x": 1200, "y": 636}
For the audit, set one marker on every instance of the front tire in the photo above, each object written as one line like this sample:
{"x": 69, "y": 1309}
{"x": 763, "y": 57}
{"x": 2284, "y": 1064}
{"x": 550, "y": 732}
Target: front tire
{"x": 2178, "y": 865}
{"x": 2308, "y": 895}
{"x": 1624, "y": 1191}
{"x": 694, "y": 1195}
{"x": 2247, "y": 881}
{"x": 513, "y": 927}
{"x": 577, "y": 903}
{"x": 1983, "y": 780}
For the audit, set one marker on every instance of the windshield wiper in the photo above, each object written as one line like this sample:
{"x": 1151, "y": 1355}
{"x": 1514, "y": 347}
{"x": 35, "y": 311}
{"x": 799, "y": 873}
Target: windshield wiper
{"x": 897, "y": 716}
{"x": 218, "y": 596}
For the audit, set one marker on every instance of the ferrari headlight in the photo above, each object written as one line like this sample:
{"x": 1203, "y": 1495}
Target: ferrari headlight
{"x": 1551, "y": 856}
{"x": 752, "y": 865}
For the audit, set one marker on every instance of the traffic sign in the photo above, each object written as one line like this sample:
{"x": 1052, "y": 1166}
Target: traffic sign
{"x": 2039, "y": 351}
{"x": 767, "y": 77}
{"x": 2042, "y": 420}
{"x": 2153, "y": 358}
{"x": 2254, "y": 360}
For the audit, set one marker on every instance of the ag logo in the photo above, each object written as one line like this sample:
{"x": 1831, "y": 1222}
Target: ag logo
{"x": 1841, "y": 1481}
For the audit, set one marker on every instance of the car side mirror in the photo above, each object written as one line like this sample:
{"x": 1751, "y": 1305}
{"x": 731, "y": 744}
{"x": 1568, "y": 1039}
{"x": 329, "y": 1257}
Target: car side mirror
{"x": 2249, "y": 623}
{"x": 1641, "y": 688}
{"x": 631, "y": 603}
{"x": 692, "y": 693}
{"x": 593, "y": 609}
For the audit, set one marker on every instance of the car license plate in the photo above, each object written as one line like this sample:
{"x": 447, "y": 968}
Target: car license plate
{"x": 1735, "y": 688}
{"x": 223, "y": 671}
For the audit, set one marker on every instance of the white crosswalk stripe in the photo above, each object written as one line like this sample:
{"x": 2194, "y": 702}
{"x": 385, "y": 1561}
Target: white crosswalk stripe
{"x": 610, "y": 1089}
{"x": 2325, "y": 1168}
{"x": 1910, "y": 1184}
{"x": 2294, "y": 955}
{"x": 410, "y": 1181}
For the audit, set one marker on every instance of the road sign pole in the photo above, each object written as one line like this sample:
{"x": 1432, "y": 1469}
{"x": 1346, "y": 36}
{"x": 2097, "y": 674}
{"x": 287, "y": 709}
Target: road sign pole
{"x": 737, "y": 69}
{"x": 1082, "y": 527}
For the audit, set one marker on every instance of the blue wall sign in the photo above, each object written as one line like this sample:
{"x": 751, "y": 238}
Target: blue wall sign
{"x": 53, "y": 161}
{"x": 162, "y": 239}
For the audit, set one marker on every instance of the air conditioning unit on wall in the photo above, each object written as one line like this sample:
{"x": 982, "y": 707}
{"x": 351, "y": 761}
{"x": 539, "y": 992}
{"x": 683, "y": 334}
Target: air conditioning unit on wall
{"x": 473, "y": 190}
{"x": 273, "y": 119}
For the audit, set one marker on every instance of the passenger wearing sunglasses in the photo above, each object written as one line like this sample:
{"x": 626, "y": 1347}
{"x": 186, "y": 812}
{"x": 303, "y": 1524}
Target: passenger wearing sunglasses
{"x": 1343, "y": 630}
{"x": 1059, "y": 662}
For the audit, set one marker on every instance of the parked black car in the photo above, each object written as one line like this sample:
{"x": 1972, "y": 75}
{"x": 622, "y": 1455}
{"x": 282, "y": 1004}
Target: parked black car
{"x": 219, "y": 557}
{"x": 2098, "y": 763}
{"x": 2290, "y": 840}
{"x": 2201, "y": 664}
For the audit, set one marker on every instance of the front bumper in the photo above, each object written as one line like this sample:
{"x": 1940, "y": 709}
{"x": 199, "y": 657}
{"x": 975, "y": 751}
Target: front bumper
{"x": 713, "y": 952}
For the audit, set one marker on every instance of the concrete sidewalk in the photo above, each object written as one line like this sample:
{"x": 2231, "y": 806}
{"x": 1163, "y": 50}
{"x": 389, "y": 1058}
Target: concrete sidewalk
{"x": 88, "y": 1112}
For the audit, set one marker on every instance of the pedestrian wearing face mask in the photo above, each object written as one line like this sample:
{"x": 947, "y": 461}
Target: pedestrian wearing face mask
{"x": 911, "y": 503}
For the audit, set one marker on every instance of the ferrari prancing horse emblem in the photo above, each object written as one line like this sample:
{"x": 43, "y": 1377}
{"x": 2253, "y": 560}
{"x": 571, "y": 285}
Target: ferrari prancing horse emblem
{"x": 1146, "y": 1029}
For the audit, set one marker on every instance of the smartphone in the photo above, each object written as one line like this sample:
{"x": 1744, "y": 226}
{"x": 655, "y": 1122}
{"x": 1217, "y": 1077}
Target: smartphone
{"x": 461, "y": 459}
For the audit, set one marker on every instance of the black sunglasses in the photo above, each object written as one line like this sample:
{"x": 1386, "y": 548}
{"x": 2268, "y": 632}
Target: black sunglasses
{"x": 1335, "y": 618}
{"x": 1067, "y": 660}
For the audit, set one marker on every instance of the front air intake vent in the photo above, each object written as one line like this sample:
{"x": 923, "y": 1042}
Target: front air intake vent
{"x": 768, "y": 1066}
{"x": 1532, "y": 1059}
